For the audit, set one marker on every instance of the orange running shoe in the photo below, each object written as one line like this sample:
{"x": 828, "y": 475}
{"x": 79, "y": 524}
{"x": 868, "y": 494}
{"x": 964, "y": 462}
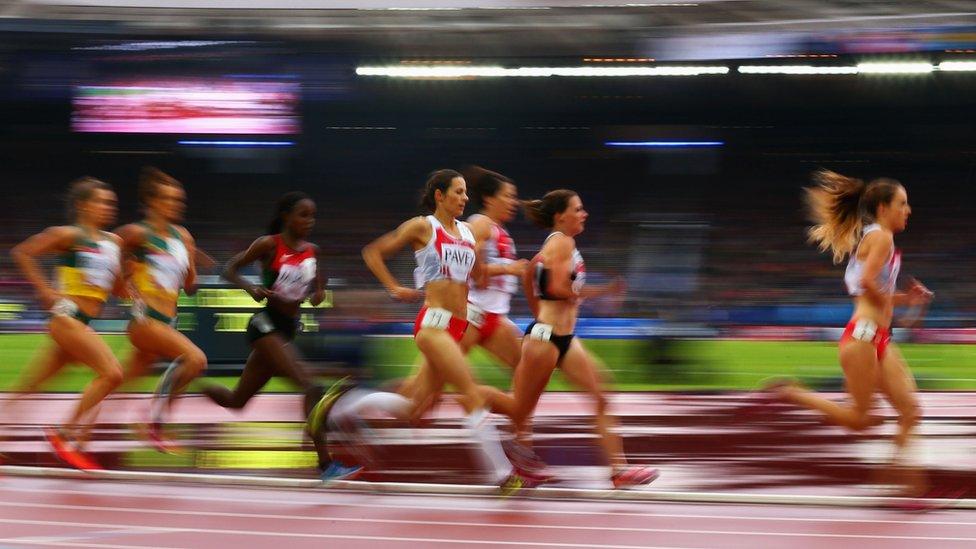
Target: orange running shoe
{"x": 68, "y": 454}
{"x": 634, "y": 476}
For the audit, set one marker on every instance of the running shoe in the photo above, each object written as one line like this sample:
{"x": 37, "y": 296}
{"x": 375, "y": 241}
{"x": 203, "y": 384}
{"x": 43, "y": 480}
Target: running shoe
{"x": 528, "y": 464}
{"x": 340, "y": 471}
{"x": 634, "y": 476}
{"x": 66, "y": 453}
{"x": 933, "y": 499}
{"x": 768, "y": 398}
{"x": 316, "y": 418}
{"x": 511, "y": 484}
{"x": 154, "y": 434}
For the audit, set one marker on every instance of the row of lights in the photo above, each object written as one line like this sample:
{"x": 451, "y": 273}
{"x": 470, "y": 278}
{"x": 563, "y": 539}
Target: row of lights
{"x": 440, "y": 71}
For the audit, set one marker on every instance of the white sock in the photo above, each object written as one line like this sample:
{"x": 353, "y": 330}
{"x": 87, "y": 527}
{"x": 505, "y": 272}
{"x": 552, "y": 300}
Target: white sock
{"x": 357, "y": 401}
{"x": 392, "y": 404}
{"x": 161, "y": 405}
{"x": 493, "y": 457}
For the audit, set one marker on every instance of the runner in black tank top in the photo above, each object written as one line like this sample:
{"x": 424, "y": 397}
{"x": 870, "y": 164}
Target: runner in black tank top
{"x": 290, "y": 274}
{"x": 554, "y": 284}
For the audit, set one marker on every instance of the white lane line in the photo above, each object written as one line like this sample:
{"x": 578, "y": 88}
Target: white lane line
{"x": 696, "y": 532}
{"x": 503, "y": 508}
{"x": 479, "y": 490}
{"x": 61, "y": 543}
{"x": 326, "y": 518}
{"x": 340, "y": 536}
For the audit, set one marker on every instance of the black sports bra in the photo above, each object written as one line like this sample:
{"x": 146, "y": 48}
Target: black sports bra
{"x": 577, "y": 276}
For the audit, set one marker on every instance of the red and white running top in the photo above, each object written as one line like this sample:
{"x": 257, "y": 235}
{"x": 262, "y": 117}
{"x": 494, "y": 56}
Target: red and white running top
{"x": 499, "y": 250}
{"x": 887, "y": 278}
{"x": 445, "y": 257}
{"x": 291, "y": 272}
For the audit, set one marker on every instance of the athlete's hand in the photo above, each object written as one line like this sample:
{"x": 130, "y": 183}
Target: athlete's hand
{"x": 617, "y": 286}
{"x": 407, "y": 295}
{"x": 518, "y": 267}
{"x": 203, "y": 259}
{"x": 317, "y": 298}
{"x": 49, "y": 297}
{"x": 259, "y": 293}
{"x": 918, "y": 294}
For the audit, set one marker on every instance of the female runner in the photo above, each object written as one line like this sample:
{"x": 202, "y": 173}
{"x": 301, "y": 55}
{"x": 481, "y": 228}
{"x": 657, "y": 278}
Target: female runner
{"x": 445, "y": 252}
{"x": 88, "y": 270}
{"x": 291, "y": 273}
{"x": 555, "y": 285}
{"x": 489, "y": 299}
{"x": 161, "y": 260}
{"x": 860, "y": 220}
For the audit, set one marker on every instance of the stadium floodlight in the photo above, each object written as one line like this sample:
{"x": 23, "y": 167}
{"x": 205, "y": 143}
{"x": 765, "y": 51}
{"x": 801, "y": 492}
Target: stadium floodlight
{"x": 210, "y": 143}
{"x": 796, "y": 69}
{"x": 957, "y": 66}
{"x": 895, "y": 68}
{"x": 664, "y": 144}
{"x": 440, "y": 71}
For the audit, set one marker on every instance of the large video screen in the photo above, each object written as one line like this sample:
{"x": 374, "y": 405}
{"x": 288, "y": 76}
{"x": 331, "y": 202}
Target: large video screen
{"x": 187, "y": 105}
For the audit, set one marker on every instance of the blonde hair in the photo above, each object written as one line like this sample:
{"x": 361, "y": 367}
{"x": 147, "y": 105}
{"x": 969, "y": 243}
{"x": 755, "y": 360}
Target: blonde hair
{"x": 839, "y": 205}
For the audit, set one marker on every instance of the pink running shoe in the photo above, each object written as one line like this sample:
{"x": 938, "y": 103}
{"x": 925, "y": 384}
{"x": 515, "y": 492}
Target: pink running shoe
{"x": 528, "y": 464}
{"x": 634, "y": 476}
{"x": 159, "y": 440}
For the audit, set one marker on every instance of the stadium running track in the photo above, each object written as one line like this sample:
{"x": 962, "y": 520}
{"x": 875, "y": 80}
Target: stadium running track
{"x": 732, "y": 476}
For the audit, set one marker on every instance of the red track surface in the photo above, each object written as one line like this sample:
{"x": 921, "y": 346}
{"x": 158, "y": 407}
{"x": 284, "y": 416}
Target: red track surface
{"x": 699, "y": 442}
{"x": 73, "y": 513}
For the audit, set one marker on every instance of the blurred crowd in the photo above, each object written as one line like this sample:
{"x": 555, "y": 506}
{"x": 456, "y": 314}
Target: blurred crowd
{"x": 685, "y": 256}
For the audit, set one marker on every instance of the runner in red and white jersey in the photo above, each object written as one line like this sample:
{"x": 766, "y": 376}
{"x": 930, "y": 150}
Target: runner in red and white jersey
{"x": 444, "y": 249}
{"x": 859, "y": 220}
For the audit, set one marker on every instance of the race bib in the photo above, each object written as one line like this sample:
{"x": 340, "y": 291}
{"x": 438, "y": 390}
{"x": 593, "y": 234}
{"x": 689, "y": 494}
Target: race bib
{"x": 64, "y": 307}
{"x": 169, "y": 269}
{"x": 294, "y": 280}
{"x": 102, "y": 267}
{"x": 541, "y": 332}
{"x": 458, "y": 260}
{"x": 476, "y": 315}
{"x": 864, "y": 330}
{"x": 436, "y": 318}
{"x": 262, "y": 323}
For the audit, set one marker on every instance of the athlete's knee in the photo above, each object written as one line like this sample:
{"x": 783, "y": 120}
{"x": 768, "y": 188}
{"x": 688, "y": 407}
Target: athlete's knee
{"x": 113, "y": 375}
{"x": 863, "y": 420}
{"x": 910, "y": 414}
{"x": 236, "y": 402}
{"x": 194, "y": 362}
{"x": 600, "y": 403}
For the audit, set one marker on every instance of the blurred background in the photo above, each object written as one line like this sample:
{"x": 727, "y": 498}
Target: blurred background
{"x": 688, "y": 128}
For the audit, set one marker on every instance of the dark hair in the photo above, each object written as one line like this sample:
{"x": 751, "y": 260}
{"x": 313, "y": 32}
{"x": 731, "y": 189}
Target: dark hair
{"x": 80, "y": 190}
{"x": 437, "y": 180}
{"x": 285, "y": 205}
{"x": 839, "y": 205}
{"x": 483, "y": 183}
{"x": 543, "y": 212}
{"x": 149, "y": 179}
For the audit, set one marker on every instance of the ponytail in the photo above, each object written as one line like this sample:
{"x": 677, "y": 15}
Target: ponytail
{"x": 839, "y": 206}
{"x": 543, "y": 211}
{"x": 834, "y": 206}
{"x": 483, "y": 183}
{"x": 285, "y": 205}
